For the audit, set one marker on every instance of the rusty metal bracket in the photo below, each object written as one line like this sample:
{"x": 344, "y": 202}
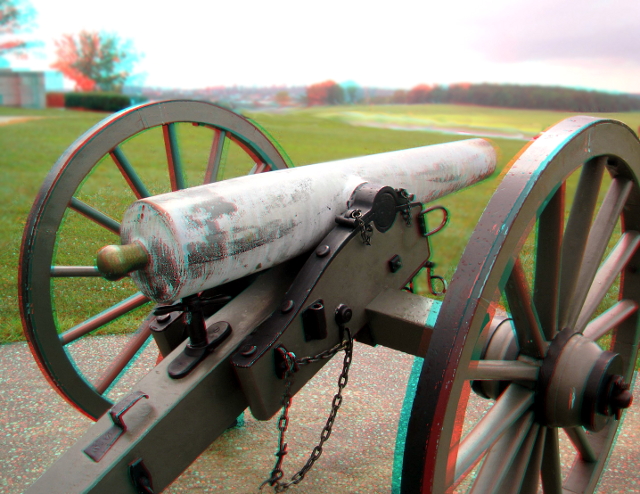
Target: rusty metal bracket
{"x": 432, "y": 278}
{"x": 423, "y": 220}
{"x": 97, "y": 449}
{"x": 431, "y": 281}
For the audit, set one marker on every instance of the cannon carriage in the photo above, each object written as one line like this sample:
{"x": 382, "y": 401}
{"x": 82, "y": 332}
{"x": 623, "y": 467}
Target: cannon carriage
{"x": 268, "y": 277}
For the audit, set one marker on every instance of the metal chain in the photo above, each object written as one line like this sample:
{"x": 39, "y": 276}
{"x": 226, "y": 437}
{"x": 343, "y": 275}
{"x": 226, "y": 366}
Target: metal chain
{"x": 293, "y": 364}
{"x": 405, "y": 209}
{"x": 365, "y": 229}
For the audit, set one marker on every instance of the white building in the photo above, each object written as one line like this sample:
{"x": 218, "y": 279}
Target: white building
{"x": 23, "y": 89}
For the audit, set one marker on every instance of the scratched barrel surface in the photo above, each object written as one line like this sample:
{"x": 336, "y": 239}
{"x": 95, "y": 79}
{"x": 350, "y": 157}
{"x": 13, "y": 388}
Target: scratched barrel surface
{"x": 205, "y": 236}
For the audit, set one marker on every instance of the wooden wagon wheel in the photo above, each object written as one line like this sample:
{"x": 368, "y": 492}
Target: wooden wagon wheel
{"x": 124, "y": 157}
{"x": 528, "y": 311}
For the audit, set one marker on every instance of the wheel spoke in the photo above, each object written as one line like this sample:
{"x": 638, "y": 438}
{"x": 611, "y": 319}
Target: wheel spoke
{"x": 105, "y": 317}
{"x": 502, "y": 370}
{"x": 94, "y": 215}
{"x": 74, "y": 271}
{"x": 176, "y": 170}
{"x": 599, "y": 237}
{"x": 125, "y": 356}
{"x": 548, "y": 250}
{"x": 215, "y": 156}
{"x": 580, "y": 441}
{"x": 531, "y": 478}
{"x": 608, "y": 320}
{"x": 525, "y": 319}
{"x": 129, "y": 174}
{"x": 606, "y": 275}
{"x": 500, "y": 457}
{"x": 575, "y": 236}
{"x": 513, "y": 483}
{"x": 551, "y": 470}
{"x": 507, "y": 410}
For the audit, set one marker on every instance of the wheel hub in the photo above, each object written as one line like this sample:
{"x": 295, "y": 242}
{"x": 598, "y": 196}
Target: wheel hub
{"x": 580, "y": 384}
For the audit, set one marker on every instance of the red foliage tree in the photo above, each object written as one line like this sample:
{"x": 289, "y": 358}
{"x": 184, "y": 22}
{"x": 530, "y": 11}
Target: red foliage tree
{"x": 94, "y": 61}
{"x": 419, "y": 94}
{"x": 325, "y": 93}
{"x": 317, "y": 93}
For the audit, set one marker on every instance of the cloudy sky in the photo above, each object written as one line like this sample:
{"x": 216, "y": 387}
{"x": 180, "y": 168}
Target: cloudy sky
{"x": 396, "y": 44}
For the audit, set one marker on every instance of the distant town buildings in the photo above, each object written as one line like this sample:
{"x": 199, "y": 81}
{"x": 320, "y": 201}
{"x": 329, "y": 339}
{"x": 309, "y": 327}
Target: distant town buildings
{"x": 239, "y": 97}
{"x": 232, "y": 96}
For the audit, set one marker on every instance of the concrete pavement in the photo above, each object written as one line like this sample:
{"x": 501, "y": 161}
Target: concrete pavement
{"x": 37, "y": 426}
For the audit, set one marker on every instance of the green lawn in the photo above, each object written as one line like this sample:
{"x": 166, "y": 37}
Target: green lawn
{"x": 470, "y": 119}
{"x": 30, "y": 148}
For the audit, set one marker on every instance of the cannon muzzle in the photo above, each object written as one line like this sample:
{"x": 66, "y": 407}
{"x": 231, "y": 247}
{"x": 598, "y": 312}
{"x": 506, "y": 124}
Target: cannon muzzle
{"x": 201, "y": 237}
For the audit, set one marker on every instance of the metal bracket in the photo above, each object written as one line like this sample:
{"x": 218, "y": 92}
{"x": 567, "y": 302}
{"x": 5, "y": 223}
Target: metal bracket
{"x": 202, "y": 339}
{"x": 324, "y": 278}
{"x": 314, "y": 321}
{"x": 423, "y": 220}
{"x": 97, "y": 449}
{"x": 431, "y": 279}
{"x": 191, "y": 356}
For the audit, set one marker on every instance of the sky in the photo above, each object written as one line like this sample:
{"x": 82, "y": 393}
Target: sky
{"x": 592, "y": 44}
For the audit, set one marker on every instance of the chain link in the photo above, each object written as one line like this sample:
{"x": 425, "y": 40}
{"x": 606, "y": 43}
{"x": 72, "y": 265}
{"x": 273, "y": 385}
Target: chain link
{"x": 405, "y": 209}
{"x": 365, "y": 229}
{"x": 292, "y": 365}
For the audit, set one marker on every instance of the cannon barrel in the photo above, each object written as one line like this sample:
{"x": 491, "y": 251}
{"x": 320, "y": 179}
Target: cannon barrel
{"x": 198, "y": 238}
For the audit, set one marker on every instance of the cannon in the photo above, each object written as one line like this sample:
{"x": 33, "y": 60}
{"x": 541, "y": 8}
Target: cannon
{"x": 249, "y": 286}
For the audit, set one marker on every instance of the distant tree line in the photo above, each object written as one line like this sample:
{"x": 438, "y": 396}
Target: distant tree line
{"x": 496, "y": 95}
{"x": 515, "y": 96}
{"x": 332, "y": 93}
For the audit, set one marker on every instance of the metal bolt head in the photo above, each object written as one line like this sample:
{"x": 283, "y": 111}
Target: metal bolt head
{"x": 323, "y": 251}
{"x": 343, "y": 314}
{"x": 163, "y": 318}
{"x": 620, "y": 397}
{"x": 287, "y": 306}
{"x": 395, "y": 263}
{"x": 248, "y": 350}
{"x": 622, "y": 400}
{"x": 218, "y": 327}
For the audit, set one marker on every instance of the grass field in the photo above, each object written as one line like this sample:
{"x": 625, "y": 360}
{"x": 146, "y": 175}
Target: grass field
{"x": 456, "y": 119}
{"x": 30, "y": 148}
